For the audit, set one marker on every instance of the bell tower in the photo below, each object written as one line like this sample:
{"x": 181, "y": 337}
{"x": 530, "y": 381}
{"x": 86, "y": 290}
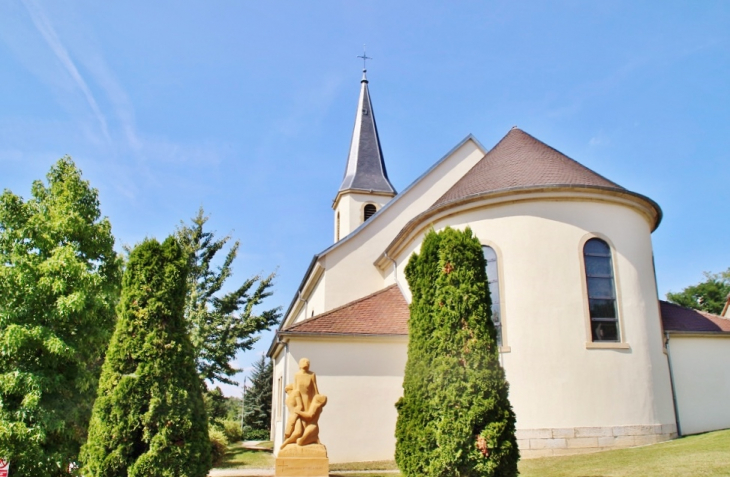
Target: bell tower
{"x": 365, "y": 189}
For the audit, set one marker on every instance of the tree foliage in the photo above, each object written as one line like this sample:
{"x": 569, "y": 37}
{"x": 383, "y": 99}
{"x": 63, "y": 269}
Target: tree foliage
{"x": 59, "y": 284}
{"x": 257, "y": 406}
{"x": 149, "y": 418}
{"x": 454, "y": 418}
{"x": 709, "y": 295}
{"x": 220, "y": 324}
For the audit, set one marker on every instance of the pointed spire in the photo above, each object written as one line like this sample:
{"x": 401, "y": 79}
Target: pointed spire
{"x": 365, "y": 169}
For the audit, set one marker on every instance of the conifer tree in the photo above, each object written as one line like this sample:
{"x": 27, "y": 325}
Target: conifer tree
{"x": 149, "y": 418}
{"x": 257, "y": 406}
{"x": 454, "y": 418}
{"x": 59, "y": 284}
{"x": 220, "y": 324}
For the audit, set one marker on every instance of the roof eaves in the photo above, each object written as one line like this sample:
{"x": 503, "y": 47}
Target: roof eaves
{"x": 299, "y": 289}
{"x": 302, "y": 334}
{"x": 434, "y": 210}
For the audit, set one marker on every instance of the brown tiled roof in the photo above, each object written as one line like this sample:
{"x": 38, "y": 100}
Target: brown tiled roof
{"x": 679, "y": 318}
{"x": 520, "y": 161}
{"x": 383, "y": 313}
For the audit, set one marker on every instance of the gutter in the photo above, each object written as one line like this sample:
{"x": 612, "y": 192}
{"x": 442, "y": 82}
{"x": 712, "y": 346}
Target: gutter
{"x": 671, "y": 382}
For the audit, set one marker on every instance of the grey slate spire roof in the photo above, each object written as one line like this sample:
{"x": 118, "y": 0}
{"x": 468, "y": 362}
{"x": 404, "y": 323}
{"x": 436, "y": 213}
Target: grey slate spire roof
{"x": 365, "y": 165}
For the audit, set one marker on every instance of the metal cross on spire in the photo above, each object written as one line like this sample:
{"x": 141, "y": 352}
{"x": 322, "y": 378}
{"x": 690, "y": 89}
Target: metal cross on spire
{"x": 365, "y": 58}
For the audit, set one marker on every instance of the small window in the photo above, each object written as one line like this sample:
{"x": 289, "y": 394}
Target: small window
{"x": 601, "y": 291}
{"x": 337, "y": 239}
{"x": 493, "y": 282}
{"x": 369, "y": 211}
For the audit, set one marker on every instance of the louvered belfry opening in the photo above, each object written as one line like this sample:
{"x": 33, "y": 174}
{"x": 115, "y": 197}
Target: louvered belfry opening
{"x": 369, "y": 211}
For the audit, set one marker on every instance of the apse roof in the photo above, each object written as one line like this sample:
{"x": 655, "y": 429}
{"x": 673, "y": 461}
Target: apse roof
{"x": 521, "y": 161}
{"x": 680, "y": 319}
{"x": 365, "y": 169}
{"x": 384, "y": 312}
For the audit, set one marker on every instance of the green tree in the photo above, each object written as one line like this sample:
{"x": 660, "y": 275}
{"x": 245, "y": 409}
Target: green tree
{"x": 59, "y": 284}
{"x": 454, "y": 418}
{"x": 220, "y": 324}
{"x": 215, "y": 405}
{"x": 149, "y": 418}
{"x": 710, "y": 295}
{"x": 257, "y": 413}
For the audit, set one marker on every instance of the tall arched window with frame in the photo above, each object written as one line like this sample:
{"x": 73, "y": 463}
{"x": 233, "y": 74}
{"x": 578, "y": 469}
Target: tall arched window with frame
{"x": 493, "y": 281}
{"x": 601, "y": 291}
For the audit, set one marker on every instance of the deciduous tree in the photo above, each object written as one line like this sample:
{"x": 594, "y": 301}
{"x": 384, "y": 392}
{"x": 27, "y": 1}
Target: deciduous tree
{"x": 454, "y": 418}
{"x": 709, "y": 295}
{"x": 59, "y": 284}
{"x": 149, "y": 418}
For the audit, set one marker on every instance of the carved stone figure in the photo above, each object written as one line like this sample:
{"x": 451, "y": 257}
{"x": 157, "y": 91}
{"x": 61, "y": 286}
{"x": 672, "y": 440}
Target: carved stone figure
{"x": 305, "y": 382}
{"x": 301, "y": 453}
{"x": 294, "y": 426}
{"x": 311, "y": 421}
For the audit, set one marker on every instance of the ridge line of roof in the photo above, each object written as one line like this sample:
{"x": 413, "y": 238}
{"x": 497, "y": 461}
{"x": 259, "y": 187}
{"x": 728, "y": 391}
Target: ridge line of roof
{"x": 353, "y": 302}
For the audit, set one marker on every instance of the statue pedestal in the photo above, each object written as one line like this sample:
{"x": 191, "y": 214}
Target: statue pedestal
{"x": 302, "y": 461}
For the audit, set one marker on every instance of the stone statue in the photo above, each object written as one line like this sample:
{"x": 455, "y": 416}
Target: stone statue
{"x": 311, "y": 421}
{"x": 294, "y": 425}
{"x": 301, "y": 452}
{"x": 305, "y": 382}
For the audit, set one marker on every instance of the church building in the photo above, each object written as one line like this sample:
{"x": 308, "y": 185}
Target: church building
{"x": 593, "y": 358}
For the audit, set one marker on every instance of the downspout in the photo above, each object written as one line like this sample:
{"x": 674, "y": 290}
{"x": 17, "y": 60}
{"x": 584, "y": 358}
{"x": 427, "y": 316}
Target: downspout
{"x": 671, "y": 382}
{"x": 284, "y": 380}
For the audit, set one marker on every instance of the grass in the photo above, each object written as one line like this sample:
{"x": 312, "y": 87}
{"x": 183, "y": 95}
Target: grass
{"x": 239, "y": 458}
{"x": 704, "y": 455}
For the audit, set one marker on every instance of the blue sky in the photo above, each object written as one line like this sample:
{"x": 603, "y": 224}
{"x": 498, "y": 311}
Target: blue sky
{"x": 246, "y": 108}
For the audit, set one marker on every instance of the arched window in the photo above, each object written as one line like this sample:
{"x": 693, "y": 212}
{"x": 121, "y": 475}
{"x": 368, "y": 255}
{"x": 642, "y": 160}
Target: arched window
{"x": 369, "y": 211}
{"x": 601, "y": 290}
{"x": 493, "y": 281}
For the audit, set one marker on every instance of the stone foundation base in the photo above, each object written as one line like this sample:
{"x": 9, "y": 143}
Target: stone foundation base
{"x": 580, "y": 440}
{"x": 307, "y": 461}
{"x": 302, "y": 467}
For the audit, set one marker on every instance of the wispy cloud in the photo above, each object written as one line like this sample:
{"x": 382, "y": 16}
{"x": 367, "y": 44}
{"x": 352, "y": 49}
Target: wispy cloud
{"x": 45, "y": 28}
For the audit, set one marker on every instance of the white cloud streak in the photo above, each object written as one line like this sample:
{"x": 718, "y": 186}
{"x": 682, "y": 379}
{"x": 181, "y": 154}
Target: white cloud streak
{"x": 44, "y": 27}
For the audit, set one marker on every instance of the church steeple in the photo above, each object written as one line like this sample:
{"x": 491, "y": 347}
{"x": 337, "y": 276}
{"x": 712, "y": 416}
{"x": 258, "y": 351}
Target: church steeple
{"x": 365, "y": 169}
{"x": 365, "y": 187}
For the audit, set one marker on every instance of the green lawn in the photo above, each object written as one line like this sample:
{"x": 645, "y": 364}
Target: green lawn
{"x": 696, "y": 456}
{"x": 703, "y": 455}
{"x": 239, "y": 458}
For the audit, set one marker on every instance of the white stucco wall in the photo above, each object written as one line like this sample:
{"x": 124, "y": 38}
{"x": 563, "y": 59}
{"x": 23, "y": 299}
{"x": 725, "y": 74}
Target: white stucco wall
{"x": 349, "y": 266}
{"x": 546, "y": 319}
{"x": 701, "y": 369}
{"x": 362, "y": 380}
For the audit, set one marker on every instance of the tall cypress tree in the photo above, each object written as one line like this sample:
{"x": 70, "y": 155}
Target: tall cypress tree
{"x": 149, "y": 418}
{"x": 454, "y": 418}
